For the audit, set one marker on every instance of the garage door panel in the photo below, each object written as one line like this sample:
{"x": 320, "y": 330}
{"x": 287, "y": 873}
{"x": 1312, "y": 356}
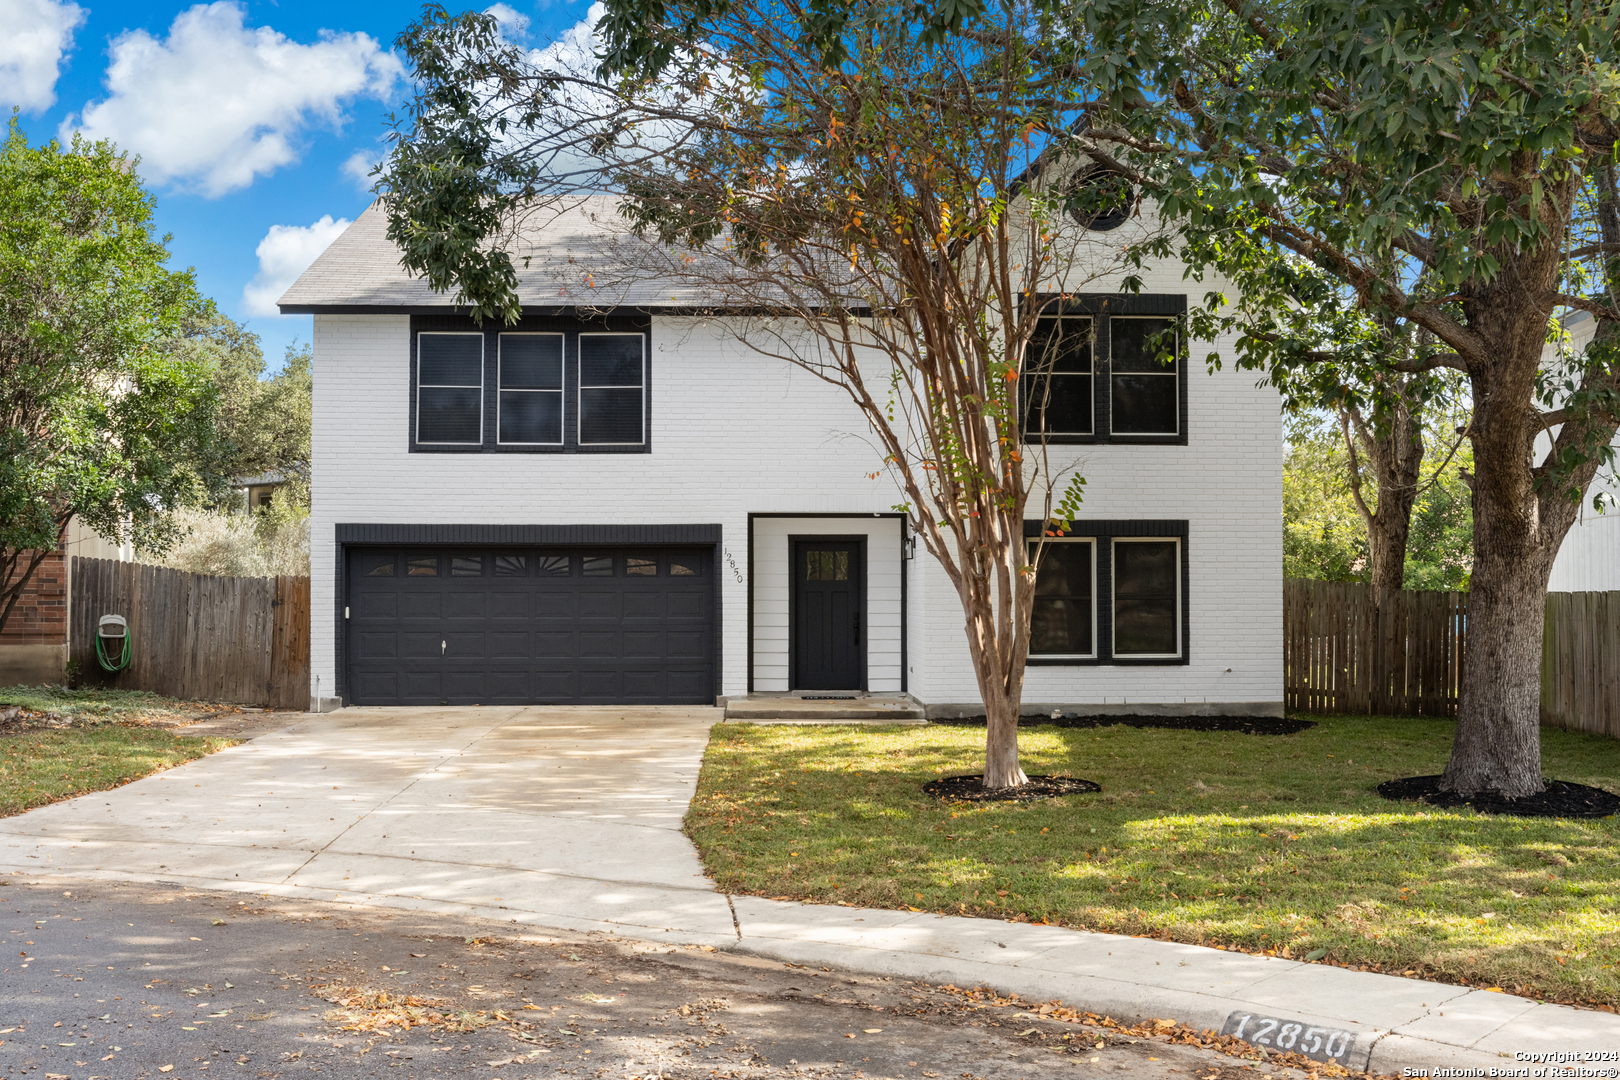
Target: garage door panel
{"x": 687, "y": 605}
{"x": 370, "y": 603}
{"x": 509, "y": 645}
{"x": 511, "y": 605}
{"x": 689, "y": 684}
{"x": 466, "y": 684}
{"x": 377, "y": 645}
{"x": 417, "y": 644}
{"x": 376, "y": 685}
{"x": 600, "y": 605}
{"x": 686, "y": 645}
{"x": 555, "y": 643}
{"x": 419, "y": 684}
{"x": 419, "y": 604}
{"x": 554, "y": 637}
{"x": 465, "y": 605}
{"x": 598, "y": 644}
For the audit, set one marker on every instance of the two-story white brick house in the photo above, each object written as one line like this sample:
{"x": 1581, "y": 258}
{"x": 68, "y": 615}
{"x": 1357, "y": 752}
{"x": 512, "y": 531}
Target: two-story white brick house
{"x": 615, "y": 502}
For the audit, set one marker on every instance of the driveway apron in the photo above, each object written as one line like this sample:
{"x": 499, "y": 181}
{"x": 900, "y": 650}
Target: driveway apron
{"x": 566, "y": 817}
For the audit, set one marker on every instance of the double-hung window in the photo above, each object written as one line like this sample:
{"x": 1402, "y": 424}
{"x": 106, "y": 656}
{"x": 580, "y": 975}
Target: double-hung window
{"x": 551, "y": 384}
{"x": 1100, "y": 369}
{"x": 612, "y": 374}
{"x": 1110, "y": 592}
{"x": 450, "y": 389}
{"x": 1057, "y": 386}
{"x": 531, "y": 398}
{"x": 1144, "y": 369}
{"x": 1063, "y": 621}
{"x": 1147, "y": 597}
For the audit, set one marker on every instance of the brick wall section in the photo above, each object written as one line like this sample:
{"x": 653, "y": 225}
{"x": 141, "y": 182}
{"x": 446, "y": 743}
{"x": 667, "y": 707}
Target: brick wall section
{"x": 41, "y": 614}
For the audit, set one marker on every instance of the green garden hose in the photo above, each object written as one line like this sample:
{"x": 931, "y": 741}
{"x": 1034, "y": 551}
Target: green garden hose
{"x": 107, "y": 664}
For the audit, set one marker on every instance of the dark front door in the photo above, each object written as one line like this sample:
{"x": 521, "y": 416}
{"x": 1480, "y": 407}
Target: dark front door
{"x": 829, "y": 615}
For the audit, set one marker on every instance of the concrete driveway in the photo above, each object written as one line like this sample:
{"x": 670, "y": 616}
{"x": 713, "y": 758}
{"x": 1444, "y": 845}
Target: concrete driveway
{"x": 566, "y": 817}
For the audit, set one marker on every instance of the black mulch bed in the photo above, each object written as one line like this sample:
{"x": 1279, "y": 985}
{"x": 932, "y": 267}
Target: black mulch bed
{"x": 1248, "y": 725}
{"x": 1561, "y": 799}
{"x": 972, "y": 789}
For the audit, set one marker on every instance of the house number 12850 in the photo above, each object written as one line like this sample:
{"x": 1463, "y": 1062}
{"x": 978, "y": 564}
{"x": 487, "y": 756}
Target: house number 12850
{"x": 1320, "y": 1043}
{"x": 733, "y": 564}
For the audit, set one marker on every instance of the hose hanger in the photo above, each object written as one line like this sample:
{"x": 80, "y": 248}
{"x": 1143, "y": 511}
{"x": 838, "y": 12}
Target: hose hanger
{"x": 112, "y": 637}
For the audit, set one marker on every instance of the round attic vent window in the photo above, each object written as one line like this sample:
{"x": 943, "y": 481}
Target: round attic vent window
{"x": 1100, "y": 200}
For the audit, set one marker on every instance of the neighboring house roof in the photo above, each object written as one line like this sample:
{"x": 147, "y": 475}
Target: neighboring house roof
{"x": 578, "y": 253}
{"x": 274, "y": 476}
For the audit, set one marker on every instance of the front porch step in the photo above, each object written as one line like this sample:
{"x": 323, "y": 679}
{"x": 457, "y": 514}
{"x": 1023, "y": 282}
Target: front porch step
{"x": 819, "y": 709}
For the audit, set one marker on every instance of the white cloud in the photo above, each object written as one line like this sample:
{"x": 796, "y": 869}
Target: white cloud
{"x": 358, "y": 167}
{"x": 216, "y": 104}
{"x": 285, "y": 252}
{"x": 514, "y": 24}
{"x": 37, "y": 35}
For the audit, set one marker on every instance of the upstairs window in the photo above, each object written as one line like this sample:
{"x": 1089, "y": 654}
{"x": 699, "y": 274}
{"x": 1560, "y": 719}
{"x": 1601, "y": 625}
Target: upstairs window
{"x": 531, "y": 401}
{"x": 1057, "y": 382}
{"x": 550, "y": 384}
{"x": 450, "y": 389}
{"x": 1144, "y": 366}
{"x": 611, "y": 384}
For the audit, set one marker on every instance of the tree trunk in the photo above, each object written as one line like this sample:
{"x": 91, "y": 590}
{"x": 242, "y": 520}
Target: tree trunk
{"x": 1498, "y": 743}
{"x": 1001, "y": 768}
{"x": 1393, "y": 445}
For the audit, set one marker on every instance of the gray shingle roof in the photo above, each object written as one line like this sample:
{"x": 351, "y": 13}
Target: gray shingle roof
{"x": 576, "y": 254}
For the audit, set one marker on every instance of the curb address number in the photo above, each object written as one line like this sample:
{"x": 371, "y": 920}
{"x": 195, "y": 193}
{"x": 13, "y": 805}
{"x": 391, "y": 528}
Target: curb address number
{"x": 1320, "y": 1043}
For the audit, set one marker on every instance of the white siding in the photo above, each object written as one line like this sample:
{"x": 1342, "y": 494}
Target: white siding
{"x": 773, "y": 581}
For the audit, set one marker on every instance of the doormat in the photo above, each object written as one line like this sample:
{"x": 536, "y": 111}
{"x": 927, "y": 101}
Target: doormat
{"x": 828, "y": 697}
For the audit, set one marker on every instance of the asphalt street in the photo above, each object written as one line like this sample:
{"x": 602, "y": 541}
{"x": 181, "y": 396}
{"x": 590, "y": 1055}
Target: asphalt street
{"x": 145, "y": 981}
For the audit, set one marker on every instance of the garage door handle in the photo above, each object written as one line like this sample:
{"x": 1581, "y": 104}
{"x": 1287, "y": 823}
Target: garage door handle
{"x": 441, "y": 648}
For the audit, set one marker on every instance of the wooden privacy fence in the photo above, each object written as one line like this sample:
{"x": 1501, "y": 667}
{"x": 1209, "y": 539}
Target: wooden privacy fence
{"x": 1580, "y": 662}
{"x": 1343, "y": 655}
{"x": 237, "y": 639}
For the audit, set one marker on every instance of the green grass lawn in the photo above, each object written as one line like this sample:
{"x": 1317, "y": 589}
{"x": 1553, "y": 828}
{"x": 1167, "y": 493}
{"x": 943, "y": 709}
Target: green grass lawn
{"x": 1274, "y": 844}
{"x": 97, "y": 702}
{"x": 39, "y": 767}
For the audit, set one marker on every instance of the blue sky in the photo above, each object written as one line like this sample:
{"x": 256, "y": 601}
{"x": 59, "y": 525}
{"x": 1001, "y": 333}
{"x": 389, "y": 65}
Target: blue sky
{"x": 253, "y": 120}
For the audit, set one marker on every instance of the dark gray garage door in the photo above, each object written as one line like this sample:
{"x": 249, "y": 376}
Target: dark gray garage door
{"x": 518, "y": 626}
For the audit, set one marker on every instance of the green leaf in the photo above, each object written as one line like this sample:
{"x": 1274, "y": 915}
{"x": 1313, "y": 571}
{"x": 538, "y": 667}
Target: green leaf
{"x": 1316, "y": 954}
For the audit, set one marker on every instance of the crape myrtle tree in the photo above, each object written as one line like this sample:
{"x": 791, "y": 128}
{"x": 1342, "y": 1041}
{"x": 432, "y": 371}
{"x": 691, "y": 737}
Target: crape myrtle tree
{"x": 1453, "y": 165}
{"x": 888, "y": 213}
{"x": 98, "y": 421}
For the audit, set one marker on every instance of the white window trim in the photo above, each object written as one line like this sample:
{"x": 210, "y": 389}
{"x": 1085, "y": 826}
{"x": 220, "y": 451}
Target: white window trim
{"x": 1113, "y": 587}
{"x": 580, "y": 387}
{"x": 561, "y": 391}
{"x": 1091, "y": 398}
{"x": 420, "y": 386}
{"x": 1173, "y": 374}
{"x": 1032, "y": 544}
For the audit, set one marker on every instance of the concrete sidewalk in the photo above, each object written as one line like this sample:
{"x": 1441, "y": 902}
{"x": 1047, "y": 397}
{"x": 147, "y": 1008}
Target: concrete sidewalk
{"x": 570, "y": 819}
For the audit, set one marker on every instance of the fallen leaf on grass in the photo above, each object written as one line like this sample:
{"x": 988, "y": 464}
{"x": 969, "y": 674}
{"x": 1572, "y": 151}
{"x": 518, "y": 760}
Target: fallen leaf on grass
{"x": 1031, "y": 1031}
{"x": 1316, "y": 954}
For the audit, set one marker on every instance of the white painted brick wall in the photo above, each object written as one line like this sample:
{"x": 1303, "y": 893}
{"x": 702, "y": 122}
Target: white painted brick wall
{"x": 734, "y": 433}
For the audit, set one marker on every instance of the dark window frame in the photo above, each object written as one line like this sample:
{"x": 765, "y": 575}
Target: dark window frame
{"x": 1102, "y": 307}
{"x": 1105, "y": 531}
{"x": 570, "y": 326}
